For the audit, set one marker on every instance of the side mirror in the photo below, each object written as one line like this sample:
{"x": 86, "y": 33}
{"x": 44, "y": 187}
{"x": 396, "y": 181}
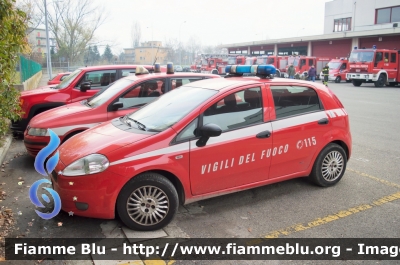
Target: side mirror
{"x": 117, "y": 105}
{"x": 85, "y": 86}
{"x": 207, "y": 131}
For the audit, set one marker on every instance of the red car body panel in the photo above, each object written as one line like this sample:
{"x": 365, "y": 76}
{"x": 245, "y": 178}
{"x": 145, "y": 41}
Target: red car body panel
{"x": 234, "y": 161}
{"x": 38, "y": 100}
{"x": 76, "y": 117}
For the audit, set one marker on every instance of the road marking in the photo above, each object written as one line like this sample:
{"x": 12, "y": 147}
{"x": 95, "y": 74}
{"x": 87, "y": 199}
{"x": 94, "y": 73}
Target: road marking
{"x": 156, "y": 260}
{"x": 388, "y": 183}
{"x": 329, "y": 218}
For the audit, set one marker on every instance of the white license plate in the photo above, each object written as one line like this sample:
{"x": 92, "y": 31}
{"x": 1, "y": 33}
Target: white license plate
{"x": 357, "y": 70}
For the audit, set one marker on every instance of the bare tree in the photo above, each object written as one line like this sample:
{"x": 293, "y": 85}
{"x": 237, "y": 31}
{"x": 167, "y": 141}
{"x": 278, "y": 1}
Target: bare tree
{"x": 172, "y": 46}
{"x": 73, "y": 23}
{"x": 193, "y": 46}
{"x": 34, "y": 16}
{"x": 136, "y": 34}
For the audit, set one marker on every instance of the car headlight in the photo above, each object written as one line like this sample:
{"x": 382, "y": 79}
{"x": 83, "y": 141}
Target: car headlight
{"x": 90, "y": 164}
{"x": 37, "y": 132}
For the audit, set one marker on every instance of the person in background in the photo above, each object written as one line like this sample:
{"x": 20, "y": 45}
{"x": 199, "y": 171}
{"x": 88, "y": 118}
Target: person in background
{"x": 312, "y": 73}
{"x": 325, "y": 72}
{"x": 291, "y": 71}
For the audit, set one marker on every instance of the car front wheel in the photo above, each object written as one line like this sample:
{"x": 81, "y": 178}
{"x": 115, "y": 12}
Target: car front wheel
{"x": 147, "y": 202}
{"x": 330, "y": 165}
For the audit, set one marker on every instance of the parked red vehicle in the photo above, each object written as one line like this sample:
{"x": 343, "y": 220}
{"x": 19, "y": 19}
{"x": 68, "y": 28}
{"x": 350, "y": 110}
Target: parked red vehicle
{"x": 124, "y": 96}
{"x": 303, "y": 63}
{"x": 58, "y": 78}
{"x": 81, "y": 84}
{"x": 378, "y": 66}
{"x": 205, "y": 139}
{"x": 279, "y": 62}
{"x": 338, "y": 68}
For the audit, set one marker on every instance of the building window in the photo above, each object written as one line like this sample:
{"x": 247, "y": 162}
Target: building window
{"x": 387, "y": 15}
{"x": 38, "y": 34}
{"x": 342, "y": 24}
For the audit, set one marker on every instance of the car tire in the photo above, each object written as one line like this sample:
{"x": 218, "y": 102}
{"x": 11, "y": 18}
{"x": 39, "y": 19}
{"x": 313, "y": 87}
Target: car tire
{"x": 338, "y": 79}
{"x": 357, "y": 83}
{"x": 381, "y": 81}
{"x": 153, "y": 202}
{"x": 329, "y": 167}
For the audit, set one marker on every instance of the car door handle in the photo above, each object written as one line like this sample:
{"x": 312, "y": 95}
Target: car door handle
{"x": 323, "y": 121}
{"x": 264, "y": 134}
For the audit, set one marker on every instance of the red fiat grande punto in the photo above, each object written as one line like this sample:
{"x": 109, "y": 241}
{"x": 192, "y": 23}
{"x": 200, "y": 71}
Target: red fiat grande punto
{"x": 202, "y": 140}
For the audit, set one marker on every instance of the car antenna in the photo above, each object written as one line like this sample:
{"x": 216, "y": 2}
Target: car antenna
{"x": 155, "y": 57}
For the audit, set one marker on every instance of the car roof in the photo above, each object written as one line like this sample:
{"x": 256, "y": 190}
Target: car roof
{"x": 163, "y": 75}
{"x": 227, "y": 83}
{"x": 114, "y": 66}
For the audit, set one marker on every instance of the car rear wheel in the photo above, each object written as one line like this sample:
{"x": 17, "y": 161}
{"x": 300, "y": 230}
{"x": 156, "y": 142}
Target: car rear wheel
{"x": 357, "y": 83}
{"x": 329, "y": 166}
{"x": 338, "y": 79}
{"x": 147, "y": 202}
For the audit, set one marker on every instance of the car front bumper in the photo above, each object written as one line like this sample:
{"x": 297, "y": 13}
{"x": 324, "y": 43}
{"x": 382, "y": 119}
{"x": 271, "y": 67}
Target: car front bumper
{"x": 366, "y": 77}
{"x": 92, "y": 195}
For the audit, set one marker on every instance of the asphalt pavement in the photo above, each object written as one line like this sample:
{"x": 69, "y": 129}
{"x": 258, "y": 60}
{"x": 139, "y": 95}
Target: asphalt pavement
{"x": 364, "y": 204}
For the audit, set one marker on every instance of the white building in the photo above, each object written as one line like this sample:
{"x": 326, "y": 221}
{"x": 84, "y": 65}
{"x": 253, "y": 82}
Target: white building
{"x": 347, "y": 23}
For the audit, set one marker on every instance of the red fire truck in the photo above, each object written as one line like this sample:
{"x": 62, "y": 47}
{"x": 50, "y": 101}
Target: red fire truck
{"x": 280, "y": 63}
{"x": 338, "y": 69}
{"x": 212, "y": 62}
{"x": 378, "y": 66}
{"x": 303, "y": 63}
{"x": 232, "y": 60}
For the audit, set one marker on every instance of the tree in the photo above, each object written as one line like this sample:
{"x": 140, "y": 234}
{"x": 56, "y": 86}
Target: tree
{"x": 96, "y": 54}
{"x": 13, "y": 25}
{"x": 33, "y": 15}
{"x": 107, "y": 55}
{"x": 73, "y": 24}
{"x": 136, "y": 34}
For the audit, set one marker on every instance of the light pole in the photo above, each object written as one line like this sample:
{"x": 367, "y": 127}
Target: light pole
{"x": 180, "y": 48}
{"x": 47, "y": 42}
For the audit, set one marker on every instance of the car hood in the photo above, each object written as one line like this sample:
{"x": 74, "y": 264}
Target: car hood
{"x": 101, "y": 139}
{"x": 40, "y": 90}
{"x": 52, "y": 116}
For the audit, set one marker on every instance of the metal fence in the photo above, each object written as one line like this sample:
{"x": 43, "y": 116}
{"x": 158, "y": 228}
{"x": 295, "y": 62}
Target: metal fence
{"x": 28, "y": 68}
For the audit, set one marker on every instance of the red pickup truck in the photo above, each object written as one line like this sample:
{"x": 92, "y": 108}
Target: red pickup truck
{"x": 79, "y": 85}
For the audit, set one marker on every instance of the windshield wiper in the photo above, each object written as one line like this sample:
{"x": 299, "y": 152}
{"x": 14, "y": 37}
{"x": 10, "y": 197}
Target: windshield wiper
{"x": 139, "y": 125}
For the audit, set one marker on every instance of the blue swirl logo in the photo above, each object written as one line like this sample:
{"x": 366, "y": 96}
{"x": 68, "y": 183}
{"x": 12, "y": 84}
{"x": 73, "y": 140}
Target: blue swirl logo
{"x": 48, "y": 208}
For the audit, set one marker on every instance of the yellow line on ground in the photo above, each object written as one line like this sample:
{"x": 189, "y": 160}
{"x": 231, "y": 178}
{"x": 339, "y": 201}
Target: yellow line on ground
{"x": 156, "y": 260}
{"x": 388, "y": 183}
{"x": 329, "y": 218}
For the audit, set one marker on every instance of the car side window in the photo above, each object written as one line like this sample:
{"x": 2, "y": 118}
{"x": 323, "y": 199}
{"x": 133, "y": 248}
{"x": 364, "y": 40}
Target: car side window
{"x": 177, "y": 82}
{"x": 126, "y": 72}
{"x": 344, "y": 66}
{"x": 236, "y": 110}
{"x": 392, "y": 57}
{"x": 99, "y": 79}
{"x": 188, "y": 132}
{"x": 294, "y": 100}
{"x": 63, "y": 77}
{"x": 142, "y": 93}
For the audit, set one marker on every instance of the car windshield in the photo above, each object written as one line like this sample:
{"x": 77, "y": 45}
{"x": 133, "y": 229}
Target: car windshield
{"x": 170, "y": 108}
{"x": 262, "y": 60}
{"x": 360, "y": 56}
{"x": 333, "y": 66}
{"x": 232, "y": 60}
{"x": 109, "y": 92}
{"x": 204, "y": 62}
{"x": 68, "y": 80}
